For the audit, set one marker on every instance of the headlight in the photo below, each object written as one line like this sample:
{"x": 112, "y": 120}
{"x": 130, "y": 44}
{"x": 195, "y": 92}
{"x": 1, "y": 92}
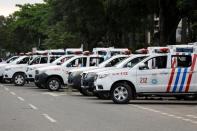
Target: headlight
{"x": 102, "y": 76}
{"x": 70, "y": 74}
{"x": 37, "y": 72}
{"x": 7, "y": 69}
{"x": 95, "y": 77}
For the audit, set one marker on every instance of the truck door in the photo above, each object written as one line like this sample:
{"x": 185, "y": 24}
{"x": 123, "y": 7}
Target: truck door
{"x": 154, "y": 77}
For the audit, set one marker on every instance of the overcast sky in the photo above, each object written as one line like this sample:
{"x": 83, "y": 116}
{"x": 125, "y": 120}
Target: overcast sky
{"x": 8, "y": 6}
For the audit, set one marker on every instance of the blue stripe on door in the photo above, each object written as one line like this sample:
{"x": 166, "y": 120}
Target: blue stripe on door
{"x": 177, "y": 80}
{"x": 183, "y": 79}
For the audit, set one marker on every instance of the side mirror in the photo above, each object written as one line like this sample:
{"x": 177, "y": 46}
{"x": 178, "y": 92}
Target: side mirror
{"x": 68, "y": 65}
{"x": 142, "y": 66}
{"x": 58, "y": 63}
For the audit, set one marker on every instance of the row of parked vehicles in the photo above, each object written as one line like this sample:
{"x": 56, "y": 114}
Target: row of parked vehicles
{"x": 111, "y": 73}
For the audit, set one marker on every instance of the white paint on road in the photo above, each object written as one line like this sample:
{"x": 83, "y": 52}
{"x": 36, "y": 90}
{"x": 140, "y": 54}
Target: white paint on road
{"x": 33, "y": 107}
{"x": 56, "y": 94}
{"x": 20, "y": 98}
{"x": 6, "y": 89}
{"x": 192, "y": 116}
{"x": 49, "y": 118}
{"x": 13, "y": 93}
{"x": 169, "y": 114}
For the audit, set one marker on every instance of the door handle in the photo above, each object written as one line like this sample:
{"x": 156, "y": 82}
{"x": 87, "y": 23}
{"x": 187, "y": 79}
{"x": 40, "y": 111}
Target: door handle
{"x": 164, "y": 73}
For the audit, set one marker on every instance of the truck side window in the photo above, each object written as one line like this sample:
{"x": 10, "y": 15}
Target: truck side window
{"x": 24, "y": 61}
{"x": 43, "y": 60}
{"x": 115, "y": 61}
{"x": 84, "y": 61}
{"x": 80, "y": 62}
{"x": 94, "y": 61}
{"x": 134, "y": 61}
{"x": 159, "y": 62}
{"x": 182, "y": 61}
{"x": 53, "y": 58}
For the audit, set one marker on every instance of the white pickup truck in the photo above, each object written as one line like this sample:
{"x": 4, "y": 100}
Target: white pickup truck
{"x": 17, "y": 72}
{"x": 171, "y": 74}
{"x": 20, "y": 60}
{"x": 54, "y": 77}
{"x": 4, "y": 64}
{"x": 31, "y": 68}
{"x": 74, "y": 78}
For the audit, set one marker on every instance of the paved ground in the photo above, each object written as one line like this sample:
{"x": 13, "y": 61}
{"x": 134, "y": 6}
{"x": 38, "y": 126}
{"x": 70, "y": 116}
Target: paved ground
{"x": 30, "y": 109}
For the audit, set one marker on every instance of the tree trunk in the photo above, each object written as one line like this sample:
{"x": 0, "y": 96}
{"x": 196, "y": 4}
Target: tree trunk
{"x": 184, "y": 30}
{"x": 169, "y": 20}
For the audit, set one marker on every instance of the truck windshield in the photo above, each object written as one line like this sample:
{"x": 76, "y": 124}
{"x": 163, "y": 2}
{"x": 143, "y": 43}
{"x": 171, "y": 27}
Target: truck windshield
{"x": 35, "y": 61}
{"x": 11, "y": 59}
{"x": 130, "y": 63}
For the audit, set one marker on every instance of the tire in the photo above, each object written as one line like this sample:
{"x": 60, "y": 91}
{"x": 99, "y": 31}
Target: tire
{"x": 54, "y": 84}
{"x": 86, "y": 92}
{"x": 179, "y": 97}
{"x": 82, "y": 91}
{"x": 121, "y": 93}
{"x": 19, "y": 79}
{"x": 103, "y": 96}
{"x": 39, "y": 86}
{"x": 1, "y": 79}
{"x": 190, "y": 97}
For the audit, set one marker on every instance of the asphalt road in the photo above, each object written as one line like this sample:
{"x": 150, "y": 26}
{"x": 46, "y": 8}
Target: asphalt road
{"x": 30, "y": 109}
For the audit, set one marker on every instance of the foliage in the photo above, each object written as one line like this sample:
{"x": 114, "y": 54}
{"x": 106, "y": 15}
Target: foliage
{"x": 70, "y": 23}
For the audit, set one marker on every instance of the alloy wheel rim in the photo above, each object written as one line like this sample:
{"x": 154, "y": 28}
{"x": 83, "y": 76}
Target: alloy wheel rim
{"x": 19, "y": 79}
{"x": 120, "y": 93}
{"x": 54, "y": 84}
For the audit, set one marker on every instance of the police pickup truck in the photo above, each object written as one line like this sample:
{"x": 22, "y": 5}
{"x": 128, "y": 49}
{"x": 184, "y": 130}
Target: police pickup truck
{"x": 74, "y": 78}
{"x": 20, "y": 60}
{"x": 87, "y": 80}
{"x": 17, "y": 73}
{"x": 171, "y": 74}
{"x": 31, "y": 68}
{"x": 87, "y": 77}
{"x": 4, "y": 64}
{"x": 54, "y": 77}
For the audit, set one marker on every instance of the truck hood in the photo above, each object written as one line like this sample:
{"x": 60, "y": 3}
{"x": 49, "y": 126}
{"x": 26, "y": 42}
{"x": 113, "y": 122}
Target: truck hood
{"x": 52, "y": 67}
{"x": 3, "y": 65}
{"x": 17, "y": 66}
{"x": 83, "y": 69}
{"x": 39, "y": 66}
{"x": 99, "y": 70}
{"x": 115, "y": 71}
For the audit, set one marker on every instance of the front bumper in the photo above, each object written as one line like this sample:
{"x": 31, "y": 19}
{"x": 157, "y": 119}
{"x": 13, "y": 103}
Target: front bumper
{"x": 30, "y": 77}
{"x": 103, "y": 84}
{"x": 88, "y": 83}
{"x": 7, "y": 75}
{"x": 41, "y": 79}
{"x": 74, "y": 81}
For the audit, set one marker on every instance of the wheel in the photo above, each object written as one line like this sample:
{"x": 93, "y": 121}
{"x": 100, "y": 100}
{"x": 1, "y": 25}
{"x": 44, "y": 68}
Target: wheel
{"x": 179, "y": 97}
{"x": 54, "y": 84}
{"x": 39, "y": 85}
{"x": 121, "y": 93}
{"x": 85, "y": 92}
{"x": 104, "y": 96}
{"x": 19, "y": 79}
{"x": 1, "y": 79}
{"x": 190, "y": 97}
{"x": 81, "y": 91}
